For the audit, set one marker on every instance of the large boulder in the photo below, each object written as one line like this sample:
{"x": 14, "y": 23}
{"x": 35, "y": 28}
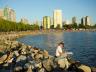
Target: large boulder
{"x": 48, "y": 64}
{"x": 85, "y": 68}
{"x": 62, "y": 63}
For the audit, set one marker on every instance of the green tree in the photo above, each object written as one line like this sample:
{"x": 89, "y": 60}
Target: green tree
{"x": 58, "y": 27}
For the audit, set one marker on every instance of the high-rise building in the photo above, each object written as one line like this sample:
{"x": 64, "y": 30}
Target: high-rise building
{"x": 57, "y": 18}
{"x": 24, "y": 21}
{"x": 74, "y": 21}
{"x": 46, "y": 22}
{"x": 1, "y": 13}
{"x": 83, "y": 21}
{"x": 9, "y": 14}
{"x": 87, "y": 20}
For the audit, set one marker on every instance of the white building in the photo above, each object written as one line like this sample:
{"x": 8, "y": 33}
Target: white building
{"x": 57, "y": 18}
{"x": 87, "y": 20}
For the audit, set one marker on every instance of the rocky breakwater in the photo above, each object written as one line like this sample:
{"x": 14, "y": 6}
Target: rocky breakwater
{"x": 18, "y": 57}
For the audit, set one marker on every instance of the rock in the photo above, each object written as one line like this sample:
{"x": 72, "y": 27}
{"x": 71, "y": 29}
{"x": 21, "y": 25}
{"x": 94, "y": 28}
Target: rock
{"x": 63, "y": 63}
{"x": 16, "y": 53}
{"x": 35, "y": 51}
{"x": 9, "y": 57}
{"x": 93, "y": 69}
{"x": 20, "y": 61}
{"x": 38, "y": 56}
{"x": 29, "y": 69}
{"x": 18, "y": 69}
{"x": 3, "y": 58}
{"x": 41, "y": 70}
{"x": 27, "y": 65}
{"x": 38, "y": 65}
{"x": 45, "y": 54}
{"x": 85, "y": 68}
{"x": 48, "y": 64}
{"x": 23, "y": 49}
{"x": 21, "y": 58}
{"x": 14, "y": 44}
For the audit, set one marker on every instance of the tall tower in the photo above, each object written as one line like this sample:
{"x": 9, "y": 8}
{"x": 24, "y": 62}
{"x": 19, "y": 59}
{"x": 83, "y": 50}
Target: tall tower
{"x": 87, "y": 20}
{"x": 83, "y": 21}
{"x": 57, "y": 18}
{"x": 9, "y": 14}
{"x": 46, "y": 22}
{"x": 74, "y": 20}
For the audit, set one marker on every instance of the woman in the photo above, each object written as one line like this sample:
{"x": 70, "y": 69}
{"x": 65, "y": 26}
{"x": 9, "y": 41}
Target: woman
{"x": 59, "y": 50}
{"x": 61, "y": 57}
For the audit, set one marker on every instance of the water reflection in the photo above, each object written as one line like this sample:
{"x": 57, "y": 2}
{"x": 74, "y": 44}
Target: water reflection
{"x": 82, "y": 44}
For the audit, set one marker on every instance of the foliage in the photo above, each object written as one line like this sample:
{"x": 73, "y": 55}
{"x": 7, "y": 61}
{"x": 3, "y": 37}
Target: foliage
{"x": 58, "y": 26}
{"x": 7, "y": 26}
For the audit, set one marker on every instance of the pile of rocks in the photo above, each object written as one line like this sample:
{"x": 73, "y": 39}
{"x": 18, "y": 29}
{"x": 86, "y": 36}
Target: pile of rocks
{"x": 25, "y": 58}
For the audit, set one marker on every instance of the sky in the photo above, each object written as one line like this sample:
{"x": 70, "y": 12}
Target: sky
{"x": 35, "y": 9}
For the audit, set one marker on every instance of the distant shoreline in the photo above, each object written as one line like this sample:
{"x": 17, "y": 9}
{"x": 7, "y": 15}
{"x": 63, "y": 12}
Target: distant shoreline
{"x": 36, "y": 32}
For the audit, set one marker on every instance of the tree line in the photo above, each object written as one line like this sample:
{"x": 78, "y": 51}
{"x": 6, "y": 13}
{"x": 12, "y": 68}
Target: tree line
{"x": 74, "y": 26}
{"x": 7, "y": 26}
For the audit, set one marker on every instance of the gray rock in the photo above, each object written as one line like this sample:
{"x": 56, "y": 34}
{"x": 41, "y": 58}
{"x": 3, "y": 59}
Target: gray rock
{"x": 21, "y": 58}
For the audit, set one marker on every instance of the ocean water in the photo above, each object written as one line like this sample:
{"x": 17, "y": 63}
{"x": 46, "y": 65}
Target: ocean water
{"x": 82, "y": 44}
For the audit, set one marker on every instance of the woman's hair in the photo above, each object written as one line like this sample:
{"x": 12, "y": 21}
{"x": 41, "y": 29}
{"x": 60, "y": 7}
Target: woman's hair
{"x": 61, "y": 43}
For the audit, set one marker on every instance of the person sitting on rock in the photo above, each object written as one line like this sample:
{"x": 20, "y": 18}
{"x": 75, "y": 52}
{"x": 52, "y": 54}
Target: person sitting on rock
{"x": 59, "y": 50}
{"x": 61, "y": 56}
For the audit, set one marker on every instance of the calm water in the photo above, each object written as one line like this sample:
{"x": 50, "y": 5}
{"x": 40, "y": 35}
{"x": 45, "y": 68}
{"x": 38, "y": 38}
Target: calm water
{"x": 82, "y": 44}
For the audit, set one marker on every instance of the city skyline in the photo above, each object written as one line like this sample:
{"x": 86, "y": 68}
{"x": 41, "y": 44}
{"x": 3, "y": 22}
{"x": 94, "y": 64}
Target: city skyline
{"x": 35, "y": 10}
